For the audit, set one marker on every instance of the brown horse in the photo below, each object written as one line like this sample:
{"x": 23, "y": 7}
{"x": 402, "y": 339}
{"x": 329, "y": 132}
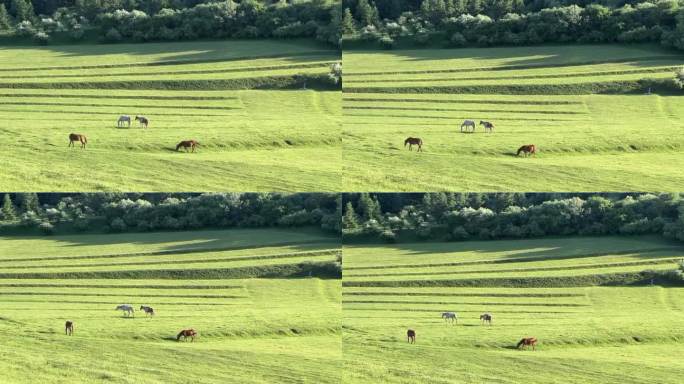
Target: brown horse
{"x": 487, "y": 126}
{"x": 69, "y": 328}
{"x": 187, "y": 144}
{"x": 528, "y": 150}
{"x": 527, "y": 342}
{"x": 187, "y": 333}
{"x": 142, "y": 120}
{"x": 77, "y": 137}
{"x": 486, "y": 318}
{"x": 411, "y": 141}
{"x": 411, "y": 335}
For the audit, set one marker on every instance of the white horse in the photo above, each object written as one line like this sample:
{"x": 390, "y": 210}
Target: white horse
{"x": 450, "y": 316}
{"x": 467, "y": 124}
{"x": 127, "y": 309}
{"x": 122, "y": 120}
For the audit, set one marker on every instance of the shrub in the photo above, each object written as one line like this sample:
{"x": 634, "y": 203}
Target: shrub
{"x": 46, "y": 228}
{"x": 117, "y": 225}
{"x": 41, "y": 38}
{"x": 387, "y": 42}
{"x": 458, "y": 40}
{"x": 388, "y": 236}
{"x": 113, "y": 36}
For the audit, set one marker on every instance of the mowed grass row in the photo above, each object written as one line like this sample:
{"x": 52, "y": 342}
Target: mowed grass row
{"x": 205, "y": 253}
{"x": 247, "y": 103}
{"x": 250, "y": 330}
{"x": 583, "y": 332}
{"x": 585, "y": 141}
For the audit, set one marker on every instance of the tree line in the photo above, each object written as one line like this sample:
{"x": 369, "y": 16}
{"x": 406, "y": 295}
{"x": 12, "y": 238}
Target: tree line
{"x": 119, "y": 212}
{"x": 458, "y": 23}
{"x": 171, "y": 20}
{"x": 477, "y": 216}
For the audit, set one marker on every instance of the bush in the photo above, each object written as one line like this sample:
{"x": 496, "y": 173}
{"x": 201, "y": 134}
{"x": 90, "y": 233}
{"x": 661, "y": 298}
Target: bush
{"x": 458, "y": 40}
{"x": 113, "y": 36}
{"x": 46, "y": 228}
{"x": 387, "y": 42}
{"x": 388, "y": 236}
{"x": 117, "y": 225}
{"x": 41, "y": 38}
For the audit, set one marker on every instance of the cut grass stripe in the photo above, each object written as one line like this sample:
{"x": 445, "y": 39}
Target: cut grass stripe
{"x": 176, "y": 73}
{"x": 382, "y": 108}
{"x": 629, "y": 278}
{"x": 115, "y": 97}
{"x": 49, "y": 111}
{"x": 72, "y": 294}
{"x": 458, "y": 101}
{"x": 313, "y": 82}
{"x": 182, "y": 251}
{"x": 487, "y": 303}
{"x": 181, "y": 107}
{"x": 609, "y": 87}
{"x": 522, "y": 66}
{"x": 326, "y": 270}
{"x": 384, "y": 116}
{"x": 449, "y": 309}
{"x": 520, "y": 77}
{"x": 318, "y": 53}
{"x": 448, "y": 294}
{"x": 534, "y": 269}
{"x": 122, "y": 286}
{"x": 64, "y": 301}
{"x": 171, "y": 262}
{"x": 640, "y": 251}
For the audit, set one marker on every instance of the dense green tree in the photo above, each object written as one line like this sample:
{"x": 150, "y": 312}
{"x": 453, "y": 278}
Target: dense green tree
{"x": 5, "y": 20}
{"x": 8, "y": 211}
{"x": 350, "y": 220}
{"x": 22, "y": 10}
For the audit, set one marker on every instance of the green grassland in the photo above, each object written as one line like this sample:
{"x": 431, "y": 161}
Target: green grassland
{"x": 584, "y": 107}
{"x": 588, "y": 333}
{"x": 251, "y": 330}
{"x": 243, "y": 101}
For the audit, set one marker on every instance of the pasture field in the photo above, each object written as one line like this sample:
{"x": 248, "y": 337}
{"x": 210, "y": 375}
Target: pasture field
{"x": 588, "y": 333}
{"x": 584, "y": 107}
{"x": 251, "y": 330}
{"x": 258, "y": 129}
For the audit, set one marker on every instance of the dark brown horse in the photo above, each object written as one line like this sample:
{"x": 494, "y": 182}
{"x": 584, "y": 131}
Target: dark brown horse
{"x": 411, "y": 141}
{"x": 411, "y": 335}
{"x": 527, "y": 150}
{"x": 187, "y": 144}
{"x": 187, "y": 333}
{"x": 77, "y": 137}
{"x": 527, "y": 342}
{"x": 147, "y": 310}
{"x": 486, "y": 318}
{"x": 69, "y": 328}
{"x": 487, "y": 126}
{"x": 143, "y": 121}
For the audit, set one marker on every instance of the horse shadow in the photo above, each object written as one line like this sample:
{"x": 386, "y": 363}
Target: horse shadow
{"x": 169, "y": 338}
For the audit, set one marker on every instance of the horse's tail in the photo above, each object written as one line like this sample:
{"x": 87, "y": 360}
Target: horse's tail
{"x": 179, "y": 336}
{"x": 520, "y": 150}
{"x": 178, "y": 146}
{"x": 521, "y": 342}
{"x": 406, "y": 142}
{"x": 85, "y": 139}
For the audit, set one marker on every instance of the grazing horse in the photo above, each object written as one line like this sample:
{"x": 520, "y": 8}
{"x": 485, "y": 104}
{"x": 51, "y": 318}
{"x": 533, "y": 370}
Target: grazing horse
{"x": 122, "y": 120}
{"x": 486, "y": 318}
{"x": 143, "y": 121}
{"x": 127, "y": 309}
{"x": 187, "y": 144}
{"x": 468, "y": 124}
{"x": 411, "y": 335}
{"x": 527, "y": 342}
{"x": 527, "y": 150}
{"x": 187, "y": 333}
{"x": 77, "y": 137}
{"x": 450, "y": 316}
{"x": 411, "y": 141}
{"x": 487, "y": 126}
{"x": 147, "y": 310}
{"x": 69, "y": 328}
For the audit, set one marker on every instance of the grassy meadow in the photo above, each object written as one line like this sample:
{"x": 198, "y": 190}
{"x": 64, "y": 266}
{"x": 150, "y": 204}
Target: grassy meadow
{"x": 251, "y": 330}
{"x": 244, "y": 101}
{"x": 591, "y": 329}
{"x": 584, "y": 107}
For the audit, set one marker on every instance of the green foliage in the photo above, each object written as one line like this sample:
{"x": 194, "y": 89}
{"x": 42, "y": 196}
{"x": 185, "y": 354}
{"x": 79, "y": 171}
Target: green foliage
{"x": 5, "y": 20}
{"x": 439, "y": 216}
